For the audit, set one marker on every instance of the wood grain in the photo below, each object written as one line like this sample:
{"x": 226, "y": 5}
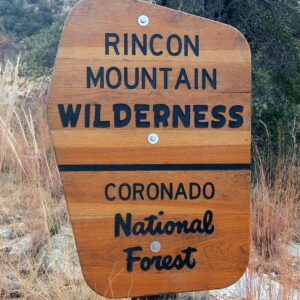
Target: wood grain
{"x": 222, "y": 256}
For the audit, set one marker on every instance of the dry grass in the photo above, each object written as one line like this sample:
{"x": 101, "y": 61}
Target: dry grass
{"x": 31, "y": 199}
{"x": 32, "y": 205}
{"x": 275, "y": 215}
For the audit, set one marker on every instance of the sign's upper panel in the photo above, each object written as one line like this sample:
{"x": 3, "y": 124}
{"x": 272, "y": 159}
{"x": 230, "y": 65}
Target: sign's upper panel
{"x": 115, "y": 81}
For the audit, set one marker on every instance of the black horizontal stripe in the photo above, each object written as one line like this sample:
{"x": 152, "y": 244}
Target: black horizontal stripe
{"x": 153, "y": 167}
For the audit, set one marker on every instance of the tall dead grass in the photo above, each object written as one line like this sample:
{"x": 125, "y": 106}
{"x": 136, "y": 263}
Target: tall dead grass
{"x": 31, "y": 196}
{"x": 275, "y": 213}
{"x": 31, "y": 199}
{"x": 27, "y": 163}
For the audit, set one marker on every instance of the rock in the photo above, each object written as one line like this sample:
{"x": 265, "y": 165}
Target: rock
{"x": 61, "y": 255}
{"x": 20, "y": 229}
{"x": 20, "y": 249}
{"x": 294, "y": 250}
{"x": 11, "y": 286}
{"x": 6, "y": 233}
{"x": 66, "y": 231}
{"x": 5, "y": 248}
{"x": 4, "y": 219}
{"x": 53, "y": 260}
{"x": 18, "y": 218}
{"x": 24, "y": 268}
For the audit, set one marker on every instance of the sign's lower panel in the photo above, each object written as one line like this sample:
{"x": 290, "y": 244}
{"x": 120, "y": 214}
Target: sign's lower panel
{"x": 150, "y": 231}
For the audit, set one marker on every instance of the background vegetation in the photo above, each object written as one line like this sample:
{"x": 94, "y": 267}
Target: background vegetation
{"x": 38, "y": 259}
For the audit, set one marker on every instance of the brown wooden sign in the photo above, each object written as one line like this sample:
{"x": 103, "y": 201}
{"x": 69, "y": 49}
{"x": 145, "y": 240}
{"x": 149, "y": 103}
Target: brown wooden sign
{"x": 150, "y": 117}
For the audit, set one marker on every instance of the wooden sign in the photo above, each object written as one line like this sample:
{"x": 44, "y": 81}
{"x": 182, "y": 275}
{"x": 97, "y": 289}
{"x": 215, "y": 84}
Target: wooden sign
{"x": 149, "y": 111}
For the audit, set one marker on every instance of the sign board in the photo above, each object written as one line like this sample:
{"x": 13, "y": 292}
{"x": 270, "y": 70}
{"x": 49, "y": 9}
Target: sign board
{"x": 149, "y": 111}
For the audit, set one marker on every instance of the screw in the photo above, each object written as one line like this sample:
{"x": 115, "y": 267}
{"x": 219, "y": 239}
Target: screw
{"x": 155, "y": 246}
{"x": 153, "y": 138}
{"x": 143, "y": 20}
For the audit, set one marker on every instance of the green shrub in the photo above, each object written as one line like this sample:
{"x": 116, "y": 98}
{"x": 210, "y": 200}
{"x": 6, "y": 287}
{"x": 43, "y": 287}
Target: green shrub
{"x": 23, "y": 18}
{"x": 39, "y": 51}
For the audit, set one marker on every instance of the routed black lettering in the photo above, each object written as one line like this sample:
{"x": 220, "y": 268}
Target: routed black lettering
{"x": 211, "y": 79}
{"x": 130, "y": 258}
{"x": 152, "y": 187}
{"x": 178, "y": 262}
{"x": 146, "y": 263}
{"x": 109, "y": 83}
{"x": 235, "y": 113}
{"x": 161, "y": 115}
{"x": 196, "y": 226}
{"x": 188, "y": 44}
{"x": 169, "y": 228}
{"x": 141, "y": 77}
{"x": 120, "y": 224}
{"x": 125, "y": 44}
{"x": 90, "y": 77}
{"x": 180, "y": 192}
{"x": 195, "y": 191}
{"x": 136, "y": 77}
{"x": 142, "y": 45}
{"x": 111, "y": 40}
{"x": 217, "y": 113}
{"x": 165, "y": 190}
{"x": 160, "y": 263}
{"x": 138, "y": 189}
{"x": 150, "y": 227}
{"x": 182, "y": 80}
{"x": 183, "y": 116}
{"x": 154, "y": 37}
{"x": 69, "y": 117}
{"x": 135, "y": 44}
{"x": 141, "y": 115}
{"x": 199, "y": 117}
{"x": 166, "y": 76}
{"x": 207, "y": 222}
{"x": 139, "y": 229}
{"x": 171, "y": 39}
{"x": 118, "y": 109}
{"x": 182, "y": 226}
{"x": 124, "y": 191}
{"x": 196, "y": 79}
{"x": 157, "y": 227}
{"x": 97, "y": 121}
{"x": 189, "y": 263}
{"x": 152, "y": 80}
{"x": 209, "y": 190}
{"x": 167, "y": 263}
{"x": 107, "y": 196}
{"x": 87, "y": 113}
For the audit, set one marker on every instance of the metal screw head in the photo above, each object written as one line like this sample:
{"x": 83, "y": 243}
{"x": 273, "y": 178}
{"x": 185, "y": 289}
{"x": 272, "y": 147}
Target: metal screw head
{"x": 153, "y": 138}
{"x": 155, "y": 246}
{"x": 143, "y": 20}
